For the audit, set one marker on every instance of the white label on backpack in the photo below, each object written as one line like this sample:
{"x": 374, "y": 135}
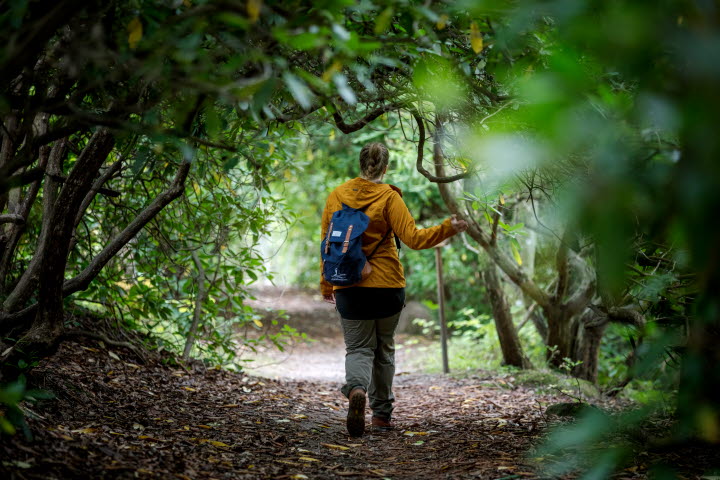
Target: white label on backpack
{"x": 336, "y": 233}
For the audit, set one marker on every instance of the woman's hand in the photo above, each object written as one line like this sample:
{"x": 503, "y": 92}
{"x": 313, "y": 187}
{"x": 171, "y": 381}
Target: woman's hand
{"x": 458, "y": 225}
{"x": 329, "y": 298}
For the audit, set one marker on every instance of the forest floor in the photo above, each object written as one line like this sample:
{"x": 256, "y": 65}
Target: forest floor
{"x": 114, "y": 416}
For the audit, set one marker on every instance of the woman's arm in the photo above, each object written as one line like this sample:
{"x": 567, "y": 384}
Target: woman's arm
{"x": 403, "y": 224}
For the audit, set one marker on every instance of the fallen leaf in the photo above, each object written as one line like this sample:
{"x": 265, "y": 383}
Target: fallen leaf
{"x": 218, "y": 444}
{"x": 308, "y": 459}
{"x": 84, "y": 430}
{"x": 334, "y": 447}
{"x": 205, "y": 427}
{"x": 189, "y": 389}
{"x": 412, "y": 434}
{"x": 113, "y": 356}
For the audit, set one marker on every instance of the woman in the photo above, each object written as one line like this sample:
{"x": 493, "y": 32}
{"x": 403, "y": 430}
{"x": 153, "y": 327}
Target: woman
{"x": 370, "y": 310}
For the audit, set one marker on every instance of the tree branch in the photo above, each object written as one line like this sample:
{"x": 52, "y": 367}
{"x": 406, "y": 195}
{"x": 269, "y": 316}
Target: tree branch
{"x": 83, "y": 279}
{"x": 12, "y": 218}
{"x": 354, "y": 127}
{"x": 420, "y": 148}
{"x": 506, "y": 264}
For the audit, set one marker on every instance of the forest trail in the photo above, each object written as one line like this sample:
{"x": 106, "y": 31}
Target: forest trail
{"x": 116, "y": 418}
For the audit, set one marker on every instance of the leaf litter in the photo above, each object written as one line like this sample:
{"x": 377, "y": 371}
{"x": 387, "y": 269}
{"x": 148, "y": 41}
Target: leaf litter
{"x": 154, "y": 421}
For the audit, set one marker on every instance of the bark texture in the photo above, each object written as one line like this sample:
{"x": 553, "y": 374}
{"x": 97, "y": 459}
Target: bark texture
{"x": 507, "y": 333}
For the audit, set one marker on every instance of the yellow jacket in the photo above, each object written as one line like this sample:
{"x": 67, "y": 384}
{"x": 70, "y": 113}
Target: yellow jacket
{"x": 386, "y": 210}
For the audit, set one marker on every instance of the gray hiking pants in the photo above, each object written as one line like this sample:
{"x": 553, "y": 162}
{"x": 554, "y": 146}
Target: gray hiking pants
{"x": 370, "y": 360}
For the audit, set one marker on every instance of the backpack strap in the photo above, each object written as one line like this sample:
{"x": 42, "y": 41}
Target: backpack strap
{"x": 327, "y": 240}
{"x": 346, "y": 243}
{"x": 387, "y": 234}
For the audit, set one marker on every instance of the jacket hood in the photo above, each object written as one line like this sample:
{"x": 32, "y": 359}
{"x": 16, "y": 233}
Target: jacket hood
{"x": 359, "y": 193}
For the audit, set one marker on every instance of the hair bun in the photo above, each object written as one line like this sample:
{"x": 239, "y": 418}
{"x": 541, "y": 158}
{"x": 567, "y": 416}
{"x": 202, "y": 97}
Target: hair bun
{"x": 373, "y": 160}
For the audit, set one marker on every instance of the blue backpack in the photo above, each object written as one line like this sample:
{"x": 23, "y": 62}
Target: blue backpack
{"x": 344, "y": 262}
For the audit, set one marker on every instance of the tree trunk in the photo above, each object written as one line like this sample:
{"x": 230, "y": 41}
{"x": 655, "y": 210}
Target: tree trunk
{"x": 590, "y": 336}
{"x": 507, "y": 333}
{"x": 199, "y": 300}
{"x": 25, "y": 286}
{"x": 41, "y": 338}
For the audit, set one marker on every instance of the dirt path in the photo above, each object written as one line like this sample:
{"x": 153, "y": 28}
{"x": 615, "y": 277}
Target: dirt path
{"x": 320, "y": 359}
{"x": 114, "y": 418}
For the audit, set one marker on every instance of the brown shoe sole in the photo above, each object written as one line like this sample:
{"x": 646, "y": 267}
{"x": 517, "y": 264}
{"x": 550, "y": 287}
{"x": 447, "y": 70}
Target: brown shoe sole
{"x": 356, "y": 415}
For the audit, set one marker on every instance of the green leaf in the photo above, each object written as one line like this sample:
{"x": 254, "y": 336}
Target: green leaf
{"x": 515, "y": 247}
{"x": 299, "y": 90}
{"x": 6, "y": 426}
{"x": 382, "y": 22}
{"x": 344, "y": 89}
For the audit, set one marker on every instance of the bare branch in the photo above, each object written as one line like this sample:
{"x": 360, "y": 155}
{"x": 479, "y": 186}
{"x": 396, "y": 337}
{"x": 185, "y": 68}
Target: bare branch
{"x": 496, "y": 220}
{"x": 354, "y": 127}
{"x": 12, "y": 218}
{"x": 420, "y": 148}
{"x": 83, "y": 279}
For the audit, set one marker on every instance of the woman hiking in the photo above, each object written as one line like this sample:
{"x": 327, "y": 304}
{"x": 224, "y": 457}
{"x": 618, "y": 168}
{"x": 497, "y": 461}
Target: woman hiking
{"x": 369, "y": 310}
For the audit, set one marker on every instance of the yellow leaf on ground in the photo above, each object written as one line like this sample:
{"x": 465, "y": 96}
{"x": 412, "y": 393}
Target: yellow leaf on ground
{"x": 218, "y": 444}
{"x": 257, "y": 322}
{"x": 476, "y": 40}
{"x": 204, "y": 426}
{"x": 308, "y": 459}
{"x": 413, "y": 434}
{"x": 84, "y": 430}
{"x": 298, "y": 416}
{"x": 189, "y": 389}
{"x": 334, "y": 447}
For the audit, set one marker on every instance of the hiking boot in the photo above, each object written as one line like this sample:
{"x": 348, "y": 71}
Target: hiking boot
{"x": 356, "y": 412}
{"x": 382, "y": 424}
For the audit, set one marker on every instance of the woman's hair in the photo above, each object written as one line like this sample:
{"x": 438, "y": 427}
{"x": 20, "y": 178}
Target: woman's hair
{"x": 373, "y": 160}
